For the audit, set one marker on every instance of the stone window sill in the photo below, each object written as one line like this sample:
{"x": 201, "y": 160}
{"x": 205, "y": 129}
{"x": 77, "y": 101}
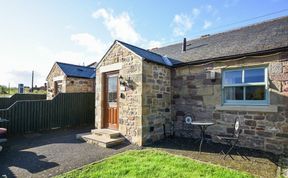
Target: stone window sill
{"x": 270, "y": 108}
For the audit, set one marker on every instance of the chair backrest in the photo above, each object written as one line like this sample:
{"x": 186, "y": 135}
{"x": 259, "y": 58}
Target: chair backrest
{"x": 237, "y": 127}
{"x": 189, "y": 118}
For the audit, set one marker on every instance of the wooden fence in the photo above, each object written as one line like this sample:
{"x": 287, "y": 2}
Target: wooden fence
{"x": 6, "y": 102}
{"x": 65, "y": 110}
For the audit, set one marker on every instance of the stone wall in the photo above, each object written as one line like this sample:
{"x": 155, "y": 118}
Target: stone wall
{"x": 159, "y": 96}
{"x": 79, "y": 85}
{"x": 194, "y": 94}
{"x": 68, "y": 84}
{"x": 156, "y": 101}
{"x": 130, "y": 104}
{"x": 55, "y": 72}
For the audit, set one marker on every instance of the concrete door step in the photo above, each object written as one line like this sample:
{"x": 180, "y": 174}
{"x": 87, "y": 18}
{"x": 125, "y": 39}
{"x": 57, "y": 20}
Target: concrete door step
{"x": 102, "y": 137}
{"x": 107, "y": 133}
{"x": 79, "y": 136}
{"x": 102, "y": 141}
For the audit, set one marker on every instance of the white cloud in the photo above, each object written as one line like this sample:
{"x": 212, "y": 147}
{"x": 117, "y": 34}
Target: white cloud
{"x": 90, "y": 42}
{"x": 25, "y": 77}
{"x": 181, "y": 24}
{"x": 14, "y": 78}
{"x": 207, "y": 24}
{"x": 153, "y": 44}
{"x": 218, "y": 19}
{"x": 195, "y": 12}
{"x": 211, "y": 10}
{"x": 95, "y": 50}
{"x": 68, "y": 27}
{"x": 70, "y": 57}
{"x": 120, "y": 26}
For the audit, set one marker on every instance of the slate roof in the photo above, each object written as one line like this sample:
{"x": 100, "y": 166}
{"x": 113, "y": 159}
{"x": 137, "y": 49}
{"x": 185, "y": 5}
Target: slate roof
{"x": 263, "y": 36}
{"x": 72, "y": 70}
{"x": 147, "y": 55}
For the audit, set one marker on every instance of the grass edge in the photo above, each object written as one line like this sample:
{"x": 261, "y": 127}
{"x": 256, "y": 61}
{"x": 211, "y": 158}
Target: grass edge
{"x": 157, "y": 150}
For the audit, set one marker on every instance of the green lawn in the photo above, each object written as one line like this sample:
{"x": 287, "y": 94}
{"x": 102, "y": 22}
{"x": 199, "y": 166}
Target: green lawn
{"x": 7, "y": 93}
{"x": 152, "y": 163}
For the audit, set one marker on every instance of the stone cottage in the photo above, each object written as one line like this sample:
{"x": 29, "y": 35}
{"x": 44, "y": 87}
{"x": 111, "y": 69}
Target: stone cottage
{"x": 70, "y": 78}
{"x": 146, "y": 94}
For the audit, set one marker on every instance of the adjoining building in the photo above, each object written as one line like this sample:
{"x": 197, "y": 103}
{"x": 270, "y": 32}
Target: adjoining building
{"x": 146, "y": 94}
{"x": 70, "y": 78}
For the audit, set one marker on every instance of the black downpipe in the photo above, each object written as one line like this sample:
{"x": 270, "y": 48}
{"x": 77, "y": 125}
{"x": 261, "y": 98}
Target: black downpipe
{"x": 164, "y": 130}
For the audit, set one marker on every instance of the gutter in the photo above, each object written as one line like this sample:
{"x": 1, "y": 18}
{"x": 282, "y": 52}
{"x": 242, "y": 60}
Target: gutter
{"x": 265, "y": 52}
{"x": 159, "y": 63}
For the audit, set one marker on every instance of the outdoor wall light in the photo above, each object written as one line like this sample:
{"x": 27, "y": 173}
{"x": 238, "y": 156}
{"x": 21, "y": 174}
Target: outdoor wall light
{"x": 126, "y": 83}
{"x": 211, "y": 75}
{"x": 122, "y": 81}
{"x": 129, "y": 82}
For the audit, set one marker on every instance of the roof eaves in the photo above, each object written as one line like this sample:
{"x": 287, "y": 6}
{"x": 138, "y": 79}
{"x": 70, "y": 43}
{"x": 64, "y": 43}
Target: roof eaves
{"x": 93, "y": 75}
{"x": 159, "y": 63}
{"x": 75, "y": 76}
{"x": 265, "y": 52}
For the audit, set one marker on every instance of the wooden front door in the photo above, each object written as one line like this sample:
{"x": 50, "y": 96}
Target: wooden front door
{"x": 111, "y": 97}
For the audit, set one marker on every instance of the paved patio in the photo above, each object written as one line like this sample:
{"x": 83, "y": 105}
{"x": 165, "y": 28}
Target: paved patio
{"x": 50, "y": 154}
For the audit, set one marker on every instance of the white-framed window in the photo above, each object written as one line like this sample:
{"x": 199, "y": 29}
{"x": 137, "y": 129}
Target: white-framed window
{"x": 245, "y": 86}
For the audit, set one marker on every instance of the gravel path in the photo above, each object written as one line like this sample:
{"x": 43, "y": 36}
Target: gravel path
{"x": 50, "y": 154}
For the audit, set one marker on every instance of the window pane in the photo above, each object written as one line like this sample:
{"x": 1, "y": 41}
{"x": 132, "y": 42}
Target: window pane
{"x": 232, "y": 77}
{"x": 254, "y": 75}
{"x": 112, "y": 89}
{"x": 255, "y": 93}
{"x": 233, "y": 93}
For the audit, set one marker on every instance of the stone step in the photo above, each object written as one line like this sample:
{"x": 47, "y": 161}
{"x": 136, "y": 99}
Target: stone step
{"x": 107, "y": 133}
{"x": 79, "y": 136}
{"x": 102, "y": 141}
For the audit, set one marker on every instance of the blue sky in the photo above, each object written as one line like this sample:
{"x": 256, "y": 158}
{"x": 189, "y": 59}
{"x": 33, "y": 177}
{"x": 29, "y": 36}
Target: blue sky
{"x": 35, "y": 34}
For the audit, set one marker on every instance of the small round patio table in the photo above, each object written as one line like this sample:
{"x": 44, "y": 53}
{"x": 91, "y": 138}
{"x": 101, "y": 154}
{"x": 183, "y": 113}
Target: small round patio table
{"x": 203, "y": 126}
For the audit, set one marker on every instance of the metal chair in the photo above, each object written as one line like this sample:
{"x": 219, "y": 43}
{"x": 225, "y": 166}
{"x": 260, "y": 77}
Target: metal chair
{"x": 231, "y": 139}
